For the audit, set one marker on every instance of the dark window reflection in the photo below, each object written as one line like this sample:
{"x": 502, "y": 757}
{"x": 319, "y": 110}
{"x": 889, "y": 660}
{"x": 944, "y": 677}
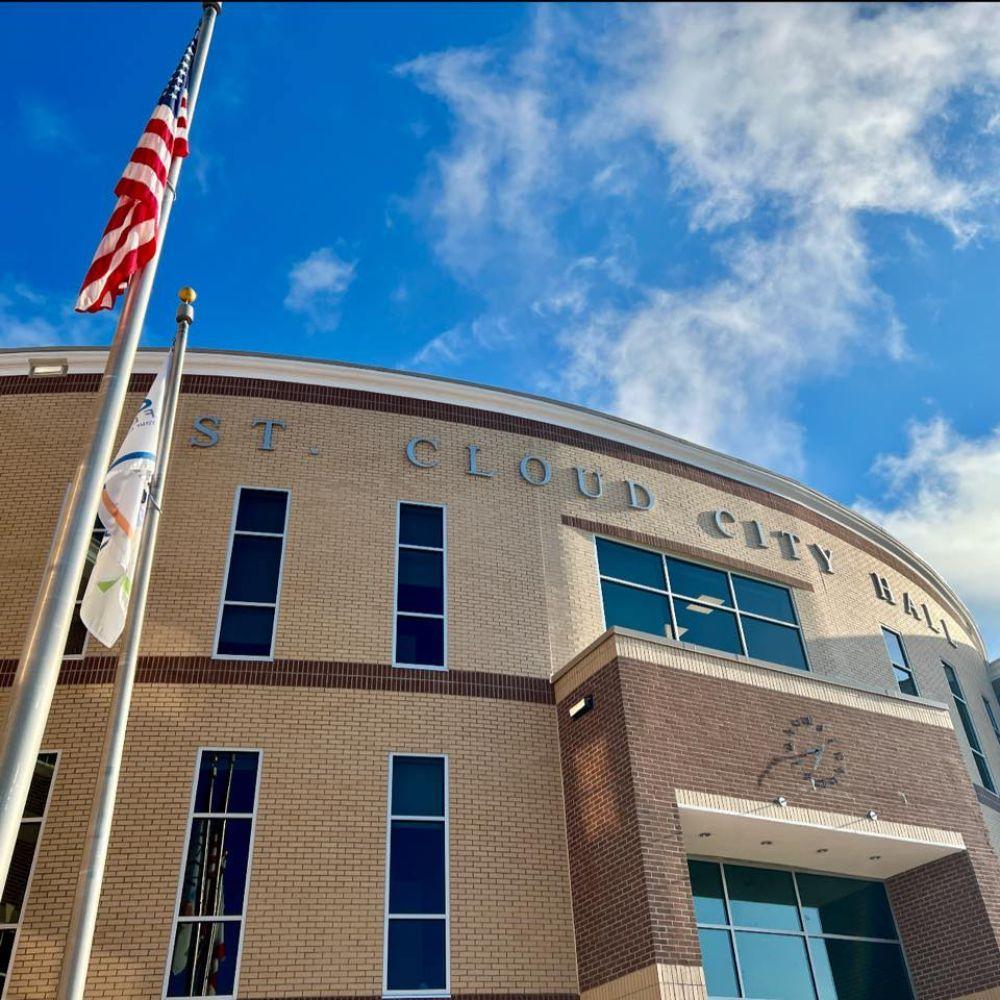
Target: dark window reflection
{"x": 421, "y": 581}
{"x": 704, "y": 626}
{"x": 254, "y": 569}
{"x": 774, "y": 966}
{"x": 836, "y": 905}
{"x": 763, "y": 599}
{"x": 417, "y": 786}
{"x": 699, "y": 582}
{"x": 246, "y": 631}
{"x": 774, "y": 643}
{"x": 16, "y": 886}
{"x": 761, "y": 897}
{"x": 416, "y": 867}
{"x": 416, "y": 955}
{"x": 859, "y": 970}
{"x": 262, "y": 510}
{"x": 420, "y": 641}
{"x": 625, "y": 562}
{"x": 6, "y": 947}
{"x": 203, "y": 960}
{"x": 216, "y": 869}
{"x": 641, "y": 610}
{"x": 41, "y": 782}
{"x": 227, "y": 782}
{"x": 706, "y": 888}
{"x": 421, "y": 526}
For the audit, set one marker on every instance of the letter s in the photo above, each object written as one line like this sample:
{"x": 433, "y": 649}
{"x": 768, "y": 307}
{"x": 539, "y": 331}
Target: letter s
{"x": 202, "y": 426}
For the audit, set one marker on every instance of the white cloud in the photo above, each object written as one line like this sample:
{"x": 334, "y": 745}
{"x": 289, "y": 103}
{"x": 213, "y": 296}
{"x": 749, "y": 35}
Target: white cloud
{"x": 316, "y": 286}
{"x": 30, "y": 318}
{"x": 772, "y": 131}
{"x": 943, "y": 500}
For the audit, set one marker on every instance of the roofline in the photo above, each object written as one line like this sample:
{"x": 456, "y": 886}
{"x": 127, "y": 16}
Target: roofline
{"x": 349, "y": 375}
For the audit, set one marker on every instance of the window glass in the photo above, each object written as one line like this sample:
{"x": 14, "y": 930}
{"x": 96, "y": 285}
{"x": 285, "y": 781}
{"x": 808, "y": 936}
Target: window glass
{"x": 246, "y": 631}
{"x": 76, "y": 640}
{"x": 418, "y": 786}
{"x": 41, "y": 782}
{"x": 762, "y": 897}
{"x": 629, "y": 607}
{"x": 894, "y": 647}
{"x": 416, "y": 955}
{"x": 705, "y": 626}
{"x": 420, "y": 525}
{"x": 718, "y": 962}
{"x": 421, "y": 581}
{"x": 774, "y": 643}
{"x": 6, "y": 948}
{"x": 763, "y": 599}
{"x": 222, "y": 843}
{"x": 706, "y": 888}
{"x": 699, "y": 582}
{"x": 949, "y": 673}
{"x": 625, "y": 562}
{"x": 774, "y": 966}
{"x": 254, "y": 569}
{"x": 984, "y": 772}
{"x": 836, "y": 905}
{"x": 203, "y": 961}
{"x": 262, "y": 510}
{"x": 993, "y": 719}
{"x": 420, "y": 641}
{"x": 905, "y": 681}
{"x": 12, "y": 897}
{"x": 859, "y": 970}
{"x": 417, "y": 867}
{"x": 416, "y": 949}
{"x": 227, "y": 781}
{"x": 970, "y": 729}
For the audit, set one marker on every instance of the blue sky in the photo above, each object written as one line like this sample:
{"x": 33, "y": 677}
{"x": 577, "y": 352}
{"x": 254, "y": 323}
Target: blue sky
{"x": 771, "y": 230}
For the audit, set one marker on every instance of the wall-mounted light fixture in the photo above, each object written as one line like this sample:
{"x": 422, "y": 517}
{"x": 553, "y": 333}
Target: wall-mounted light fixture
{"x": 584, "y": 705}
{"x": 47, "y": 366}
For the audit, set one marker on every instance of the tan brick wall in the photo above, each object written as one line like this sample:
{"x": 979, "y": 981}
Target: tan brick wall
{"x": 314, "y": 923}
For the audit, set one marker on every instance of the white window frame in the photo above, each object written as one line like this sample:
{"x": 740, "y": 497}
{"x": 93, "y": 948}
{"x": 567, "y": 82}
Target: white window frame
{"x": 41, "y": 821}
{"x": 443, "y": 617}
{"x": 97, "y": 532}
{"x": 733, "y": 609}
{"x": 390, "y": 816}
{"x": 216, "y": 655}
{"x": 977, "y": 755}
{"x": 212, "y": 918}
{"x": 883, "y": 628}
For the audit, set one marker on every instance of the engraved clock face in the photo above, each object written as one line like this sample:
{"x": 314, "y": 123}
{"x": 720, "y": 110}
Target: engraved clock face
{"x": 812, "y": 753}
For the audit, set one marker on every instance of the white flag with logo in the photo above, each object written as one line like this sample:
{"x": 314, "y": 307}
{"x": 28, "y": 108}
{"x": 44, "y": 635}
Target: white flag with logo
{"x": 122, "y": 512}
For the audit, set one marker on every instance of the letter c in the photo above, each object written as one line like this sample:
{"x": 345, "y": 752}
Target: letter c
{"x": 718, "y": 516}
{"x": 411, "y": 451}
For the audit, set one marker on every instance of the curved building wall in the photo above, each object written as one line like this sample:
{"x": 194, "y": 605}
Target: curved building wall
{"x": 523, "y": 602}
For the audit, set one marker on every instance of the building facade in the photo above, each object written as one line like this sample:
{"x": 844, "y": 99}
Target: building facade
{"x": 448, "y": 691}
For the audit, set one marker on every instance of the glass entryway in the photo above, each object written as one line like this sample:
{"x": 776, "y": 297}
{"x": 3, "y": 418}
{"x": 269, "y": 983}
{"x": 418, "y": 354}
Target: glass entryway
{"x": 774, "y": 934}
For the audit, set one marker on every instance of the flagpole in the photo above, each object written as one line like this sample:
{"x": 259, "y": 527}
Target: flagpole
{"x": 80, "y": 939}
{"x": 38, "y": 669}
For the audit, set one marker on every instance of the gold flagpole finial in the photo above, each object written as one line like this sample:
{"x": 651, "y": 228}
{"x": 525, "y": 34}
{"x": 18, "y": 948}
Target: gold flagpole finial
{"x": 187, "y": 294}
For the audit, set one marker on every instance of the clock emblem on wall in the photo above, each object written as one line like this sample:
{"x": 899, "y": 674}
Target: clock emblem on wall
{"x": 811, "y": 754}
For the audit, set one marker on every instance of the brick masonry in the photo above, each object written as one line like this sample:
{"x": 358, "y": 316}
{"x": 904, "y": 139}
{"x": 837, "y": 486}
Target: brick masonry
{"x": 653, "y": 730}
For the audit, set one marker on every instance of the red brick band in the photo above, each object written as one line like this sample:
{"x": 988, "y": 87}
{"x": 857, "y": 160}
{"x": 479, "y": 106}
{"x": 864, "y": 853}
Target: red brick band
{"x": 304, "y": 673}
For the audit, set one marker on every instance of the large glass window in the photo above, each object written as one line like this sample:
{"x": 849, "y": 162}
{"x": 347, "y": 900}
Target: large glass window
{"x": 653, "y": 593}
{"x": 29, "y": 833}
{"x": 76, "y": 641}
{"x": 208, "y": 926}
{"x": 900, "y": 665}
{"x": 992, "y": 717}
{"x": 970, "y": 728}
{"x": 420, "y": 587}
{"x": 781, "y": 935}
{"x": 416, "y": 906}
{"x": 249, "y": 611}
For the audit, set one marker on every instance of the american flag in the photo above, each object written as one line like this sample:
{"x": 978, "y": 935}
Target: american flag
{"x": 130, "y": 237}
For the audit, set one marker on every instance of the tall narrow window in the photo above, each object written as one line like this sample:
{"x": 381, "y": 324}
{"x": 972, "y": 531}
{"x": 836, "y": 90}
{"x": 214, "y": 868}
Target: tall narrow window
{"x": 249, "y": 612}
{"x": 76, "y": 641}
{"x": 991, "y": 717}
{"x": 25, "y": 850}
{"x": 707, "y": 607}
{"x": 421, "y": 601}
{"x": 970, "y": 729}
{"x": 416, "y": 906}
{"x": 212, "y": 895}
{"x": 900, "y": 665}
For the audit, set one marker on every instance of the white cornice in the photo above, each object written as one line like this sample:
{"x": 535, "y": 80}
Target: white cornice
{"x": 480, "y": 397}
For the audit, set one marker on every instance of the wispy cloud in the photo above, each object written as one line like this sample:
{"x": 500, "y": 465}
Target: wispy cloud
{"x": 30, "y": 318}
{"x": 941, "y": 499}
{"x": 316, "y": 286}
{"x": 768, "y": 133}
{"x": 45, "y": 127}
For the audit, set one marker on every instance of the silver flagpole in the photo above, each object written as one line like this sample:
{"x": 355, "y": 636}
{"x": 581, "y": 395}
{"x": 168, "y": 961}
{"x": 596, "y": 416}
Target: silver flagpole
{"x": 80, "y": 940}
{"x": 38, "y": 669}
